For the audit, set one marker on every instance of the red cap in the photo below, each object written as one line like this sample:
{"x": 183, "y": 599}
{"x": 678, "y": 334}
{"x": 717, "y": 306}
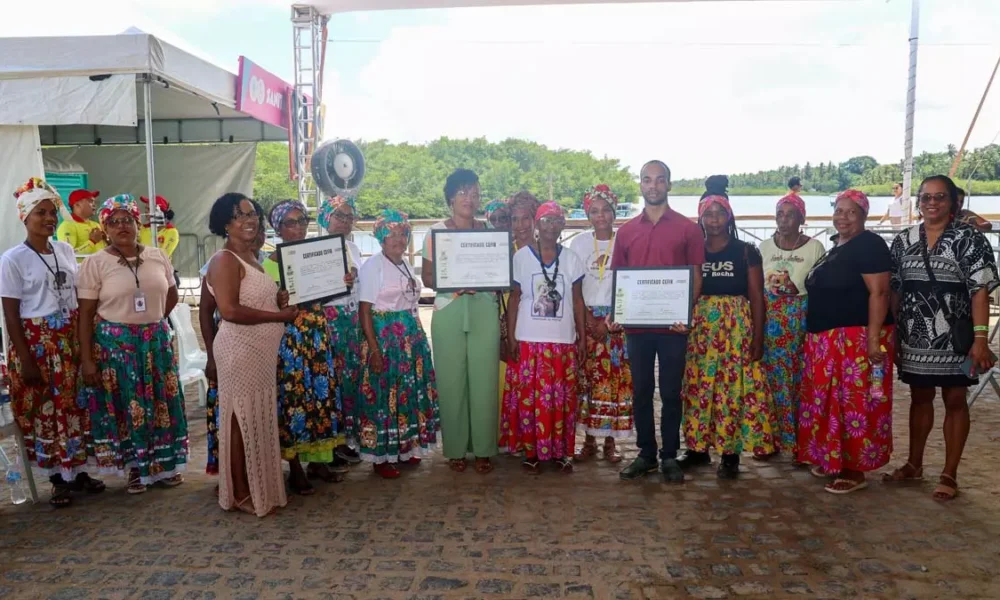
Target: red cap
{"x": 78, "y": 195}
{"x": 161, "y": 202}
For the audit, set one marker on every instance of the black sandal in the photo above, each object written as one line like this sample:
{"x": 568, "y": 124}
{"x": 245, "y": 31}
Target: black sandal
{"x": 61, "y": 496}
{"x": 86, "y": 483}
{"x": 322, "y": 472}
{"x": 302, "y": 490}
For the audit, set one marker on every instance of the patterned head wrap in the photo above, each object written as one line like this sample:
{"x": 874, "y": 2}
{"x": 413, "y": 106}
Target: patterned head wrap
{"x": 493, "y": 207}
{"x": 600, "y": 192}
{"x": 390, "y": 221}
{"x": 120, "y": 202}
{"x": 707, "y": 201}
{"x": 280, "y": 210}
{"x": 549, "y": 209}
{"x": 330, "y": 206}
{"x": 33, "y": 193}
{"x": 796, "y": 201}
{"x": 856, "y": 196}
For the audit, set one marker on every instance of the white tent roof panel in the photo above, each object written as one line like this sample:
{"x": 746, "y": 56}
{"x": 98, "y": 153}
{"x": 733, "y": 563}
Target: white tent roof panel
{"x": 329, "y": 7}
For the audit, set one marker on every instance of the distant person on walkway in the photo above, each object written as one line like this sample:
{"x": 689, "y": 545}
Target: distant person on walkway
{"x": 845, "y": 419}
{"x": 245, "y": 353}
{"x": 899, "y": 211}
{"x": 465, "y": 335}
{"x": 794, "y": 185}
{"x": 167, "y": 236}
{"x": 37, "y": 287}
{"x": 309, "y": 411}
{"x": 397, "y": 406}
{"x": 606, "y": 400}
{"x": 943, "y": 273}
{"x": 127, "y": 361}
{"x": 727, "y": 406}
{"x": 659, "y": 237}
{"x": 337, "y": 216}
{"x": 788, "y": 257}
{"x": 547, "y": 339}
{"x": 80, "y": 231}
{"x": 968, "y": 217}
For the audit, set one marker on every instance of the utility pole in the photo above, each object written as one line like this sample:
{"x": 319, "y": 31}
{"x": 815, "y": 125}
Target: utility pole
{"x": 550, "y": 187}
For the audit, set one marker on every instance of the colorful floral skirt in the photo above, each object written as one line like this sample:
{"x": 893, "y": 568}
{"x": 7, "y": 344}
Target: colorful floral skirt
{"x": 397, "y": 408}
{"x": 727, "y": 405}
{"x": 540, "y": 402}
{"x": 309, "y": 410}
{"x": 56, "y": 428}
{"x": 212, "y": 423}
{"x": 606, "y": 385}
{"x": 137, "y": 415}
{"x": 845, "y": 418}
{"x": 784, "y": 341}
{"x": 345, "y": 340}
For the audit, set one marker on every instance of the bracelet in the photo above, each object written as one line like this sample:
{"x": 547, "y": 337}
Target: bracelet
{"x": 980, "y": 337}
{"x": 981, "y": 328}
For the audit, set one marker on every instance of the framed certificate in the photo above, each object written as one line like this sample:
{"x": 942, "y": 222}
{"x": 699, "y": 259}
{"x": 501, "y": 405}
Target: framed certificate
{"x": 313, "y": 269}
{"x": 472, "y": 259}
{"x": 652, "y": 297}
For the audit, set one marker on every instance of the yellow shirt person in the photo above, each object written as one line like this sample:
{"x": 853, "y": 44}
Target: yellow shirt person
{"x": 167, "y": 236}
{"x": 84, "y": 235}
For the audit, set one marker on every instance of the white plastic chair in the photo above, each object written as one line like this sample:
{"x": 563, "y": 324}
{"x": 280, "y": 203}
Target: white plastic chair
{"x": 191, "y": 360}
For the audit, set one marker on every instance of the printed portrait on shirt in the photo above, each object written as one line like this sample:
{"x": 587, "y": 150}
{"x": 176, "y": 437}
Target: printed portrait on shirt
{"x": 778, "y": 280}
{"x": 547, "y": 301}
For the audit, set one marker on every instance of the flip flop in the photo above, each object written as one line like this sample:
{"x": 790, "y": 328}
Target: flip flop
{"x": 854, "y": 486}
{"x": 484, "y": 466}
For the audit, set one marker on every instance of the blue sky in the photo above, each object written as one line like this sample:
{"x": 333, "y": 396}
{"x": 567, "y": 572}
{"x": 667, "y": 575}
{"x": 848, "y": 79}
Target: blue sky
{"x": 708, "y": 87}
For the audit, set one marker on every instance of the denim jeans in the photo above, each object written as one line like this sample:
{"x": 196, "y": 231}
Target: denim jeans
{"x": 643, "y": 350}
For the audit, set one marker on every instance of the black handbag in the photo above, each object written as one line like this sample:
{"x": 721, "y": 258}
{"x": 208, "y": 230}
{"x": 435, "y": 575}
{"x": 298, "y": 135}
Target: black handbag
{"x": 962, "y": 334}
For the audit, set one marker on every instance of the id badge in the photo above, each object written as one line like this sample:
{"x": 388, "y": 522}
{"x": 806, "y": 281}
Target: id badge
{"x": 139, "y": 301}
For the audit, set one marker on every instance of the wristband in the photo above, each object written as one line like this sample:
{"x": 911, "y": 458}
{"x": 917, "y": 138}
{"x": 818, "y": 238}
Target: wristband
{"x": 981, "y": 328}
{"x": 979, "y": 337}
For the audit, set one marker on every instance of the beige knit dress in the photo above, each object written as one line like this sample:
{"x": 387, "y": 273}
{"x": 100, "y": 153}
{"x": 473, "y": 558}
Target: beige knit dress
{"x": 246, "y": 358}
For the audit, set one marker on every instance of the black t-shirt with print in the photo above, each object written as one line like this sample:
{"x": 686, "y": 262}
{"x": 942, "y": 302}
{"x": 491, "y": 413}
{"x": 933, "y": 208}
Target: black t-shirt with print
{"x": 838, "y": 296}
{"x": 724, "y": 273}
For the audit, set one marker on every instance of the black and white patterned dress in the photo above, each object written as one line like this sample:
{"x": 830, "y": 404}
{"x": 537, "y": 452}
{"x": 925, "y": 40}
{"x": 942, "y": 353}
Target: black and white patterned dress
{"x": 963, "y": 263}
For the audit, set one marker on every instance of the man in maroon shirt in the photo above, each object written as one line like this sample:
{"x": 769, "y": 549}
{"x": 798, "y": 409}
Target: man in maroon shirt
{"x": 659, "y": 237}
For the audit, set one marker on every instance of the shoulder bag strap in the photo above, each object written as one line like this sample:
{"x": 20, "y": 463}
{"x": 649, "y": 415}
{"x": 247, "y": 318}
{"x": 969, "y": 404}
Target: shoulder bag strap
{"x": 930, "y": 274}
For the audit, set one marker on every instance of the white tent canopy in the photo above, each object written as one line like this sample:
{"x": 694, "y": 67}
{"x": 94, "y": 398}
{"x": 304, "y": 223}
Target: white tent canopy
{"x": 329, "y": 7}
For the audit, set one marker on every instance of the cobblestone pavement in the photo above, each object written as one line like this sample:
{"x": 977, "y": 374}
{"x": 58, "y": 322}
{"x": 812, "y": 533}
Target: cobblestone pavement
{"x": 438, "y": 534}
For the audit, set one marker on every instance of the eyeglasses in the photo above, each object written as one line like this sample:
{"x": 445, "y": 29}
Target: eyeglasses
{"x": 344, "y": 218}
{"x": 500, "y": 220}
{"x": 122, "y": 222}
{"x": 300, "y": 222}
{"x": 239, "y": 214}
{"x": 552, "y": 221}
{"x": 939, "y": 197}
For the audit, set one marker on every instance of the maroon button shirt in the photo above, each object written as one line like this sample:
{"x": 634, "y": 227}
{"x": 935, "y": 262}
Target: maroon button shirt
{"x": 673, "y": 241}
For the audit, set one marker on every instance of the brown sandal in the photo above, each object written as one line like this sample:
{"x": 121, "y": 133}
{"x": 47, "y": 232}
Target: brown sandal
{"x": 945, "y": 491}
{"x": 457, "y": 465}
{"x": 900, "y": 475}
{"x": 587, "y": 451}
{"x": 842, "y": 486}
{"x": 242, "y": 506}
{"x": 611, "y": 453}
{"x": 484, "y": 466}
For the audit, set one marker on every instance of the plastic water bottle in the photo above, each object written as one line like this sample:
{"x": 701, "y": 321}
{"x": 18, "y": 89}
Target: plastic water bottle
{"x": 878, "y": 377}
{"x": 17, "y": 495}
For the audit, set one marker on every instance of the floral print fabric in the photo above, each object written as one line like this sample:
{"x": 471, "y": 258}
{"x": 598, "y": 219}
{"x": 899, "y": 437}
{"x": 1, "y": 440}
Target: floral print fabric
{"x": 606, "y": 385}
{"x": 397, "y": 409}
{"x": 727, "y": 406}
{"x": 345, "y": 342}
{"x": 845, "y": 419}
{"x": 540, "y": 402}
{"x": 784, "y": 341}
{"x": 137, "y": 415}
{"x": 56, "y": 428}
{"x": 309, "y": 410}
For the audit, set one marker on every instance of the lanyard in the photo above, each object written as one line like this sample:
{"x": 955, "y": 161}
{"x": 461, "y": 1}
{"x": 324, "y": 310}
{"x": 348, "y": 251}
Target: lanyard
{"x": 602, "y": 259}
{"x": 57, "y": 274}
{"x": 128, "y": 265}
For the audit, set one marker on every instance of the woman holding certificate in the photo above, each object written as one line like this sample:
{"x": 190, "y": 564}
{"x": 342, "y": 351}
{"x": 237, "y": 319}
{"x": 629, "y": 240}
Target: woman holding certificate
{"x": 845, "y": 418}
{"x": 547, "y": 335}
{"x": 309, "y": 412}
{"x": 606, "y": 406}
{"x": 726, "y": 400}
{"x": 397, "y": 403}
{"x": 466, "y": 340}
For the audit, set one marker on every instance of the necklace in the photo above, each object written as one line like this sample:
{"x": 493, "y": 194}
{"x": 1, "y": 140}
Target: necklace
{"x": 550, "y": 282}
{"x": 58, "y": 277}
{"x": 605, "y": 258}
{"x": 411, "y": 285}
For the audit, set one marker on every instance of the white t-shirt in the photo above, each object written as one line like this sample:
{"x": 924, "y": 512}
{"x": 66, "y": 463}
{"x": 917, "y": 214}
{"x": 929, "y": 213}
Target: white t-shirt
{"x": 899, "y": 208}
{"x": 353, "y": 262}
{"x": 597, "y": 286}
{"x": 388, "y": 287}
{"x": 24, "y": 276}
{"x": 544, "y": 316}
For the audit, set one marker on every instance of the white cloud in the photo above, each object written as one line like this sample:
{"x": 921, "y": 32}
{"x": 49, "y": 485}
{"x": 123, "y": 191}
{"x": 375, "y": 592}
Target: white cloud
{"x": 708, "y": 88}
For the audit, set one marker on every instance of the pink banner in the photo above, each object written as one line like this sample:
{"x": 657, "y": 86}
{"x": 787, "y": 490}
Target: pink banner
{"x": 262, "y": 94}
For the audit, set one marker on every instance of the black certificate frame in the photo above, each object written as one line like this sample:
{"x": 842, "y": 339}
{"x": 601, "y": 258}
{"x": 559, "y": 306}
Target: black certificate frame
{"x": 312, "y": 240}
{"x": 510, "y": 259}
{"x": 614, "y": 294}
